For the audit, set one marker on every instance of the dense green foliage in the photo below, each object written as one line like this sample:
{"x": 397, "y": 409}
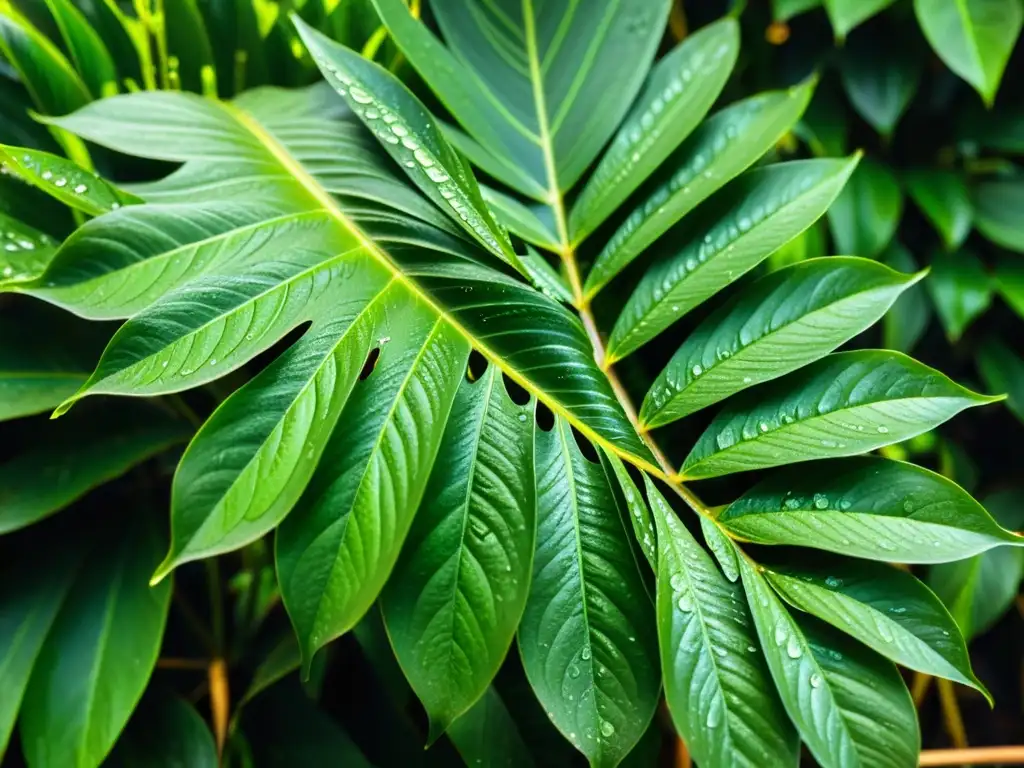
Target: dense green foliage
{"x": 381, "y": 339}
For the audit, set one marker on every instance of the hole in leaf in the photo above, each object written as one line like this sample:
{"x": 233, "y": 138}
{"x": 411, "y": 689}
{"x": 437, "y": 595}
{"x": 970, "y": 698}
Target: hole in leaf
{"x": 545, "y": 418}
{"x": 476, "y": 367}
{"x": 586, "y": 447}
{"x": 370, "y": 364}
{"x": 516, "y": 393}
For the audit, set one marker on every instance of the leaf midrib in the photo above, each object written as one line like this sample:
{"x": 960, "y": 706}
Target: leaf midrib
{"x": 323, "y": 199}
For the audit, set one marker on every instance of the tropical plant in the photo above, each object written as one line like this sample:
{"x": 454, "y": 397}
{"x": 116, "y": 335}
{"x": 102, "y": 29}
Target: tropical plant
{"x": 427, "y": 414}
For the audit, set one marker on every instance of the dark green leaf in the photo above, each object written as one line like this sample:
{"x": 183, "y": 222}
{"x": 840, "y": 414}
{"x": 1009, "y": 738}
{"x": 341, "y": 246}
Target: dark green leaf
{"x": 961, "y": 290}
{"x": 165, "y": 732}
{"x": 587, "y": 638}
{"x": 907, "y": 320}
{"x": 880, "y": 77}
{"x": 784, "y": 10}
{"x": 639, "y": 515}
{"x": 487, "y": 735}
{"x": 283, "y": 659}
{"x": 238, "y": 51}
{"x": 847, "y": 14}
{"x": 942, "y": 197}
{"x": 1003, "y": 372}
{"x": 845, "y": 404}
{"x": 87, "y": 49}
{"x": 779, "y": 324}
{"x": 864, "y": 217}
{"x": 997, "y": 205}
{"x": 1009, "y": 281}
{"x": 25, "y": 254}
{"x": 189, "y": 64}
{"x": 867, "y": 507}
{"x": 54, "y": 85}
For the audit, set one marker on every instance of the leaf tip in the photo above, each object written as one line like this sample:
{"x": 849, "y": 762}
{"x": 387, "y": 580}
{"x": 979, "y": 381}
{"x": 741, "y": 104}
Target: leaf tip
{"x": 162, "y": 570}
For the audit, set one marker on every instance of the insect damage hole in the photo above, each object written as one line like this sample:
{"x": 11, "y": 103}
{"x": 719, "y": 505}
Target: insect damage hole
{"x": 370, "y": 364}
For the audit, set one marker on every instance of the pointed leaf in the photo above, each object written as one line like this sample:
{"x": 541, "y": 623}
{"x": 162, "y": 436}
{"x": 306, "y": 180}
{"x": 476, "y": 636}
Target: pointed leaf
{"x": 723, "y": 147}
{"x": 679, "y": 91}
{"x": 996, "y": 205}
{"x": 907, "y": 319}
{"x": 1002, "y": 369}
{"x": 961, "y": 290}
{"x": 716, "y": 683}
{"x": 544, "y": 277}
{"x": 867, "y": 507}
{"x": 887, "y": 609}
{"x": 721, "y": 548}
{"x": 459, "y": 588}
{"x": 780, "y": 323}
{"x": 587, "y": 638}
{"x": 845, "y": 404}
{"x": 973, "y": 37}
{"x": 25, "y": 254}
{"x": 410, "y": 136}
{"x": 845, "y": 15}
{"x": 487, "y": 735}
{"x": 639, "y": 514}
{"x": 880, "y": 76}
{"x": 864, "y": 217}
{"x": 54, "y": 85}
{"x": 528, "y": 222}
{"x": 736, "y": 231}
{"x": 942, "y": 197}
{"x": 849, "y": 704}
{"x": 88, "y": 52}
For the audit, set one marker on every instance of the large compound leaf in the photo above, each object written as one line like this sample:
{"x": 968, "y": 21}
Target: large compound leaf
{"x": 973, "y": 37}
{"x": 845, "y": 404}
{"x": 780, "y": 323}
{"x": 680, "y": 90}
{"x": 849, "y": 704}
{"x": 539, "y": 86}
{"x": 732, "y": 234}
{"x": 870, "y": 508}
{"x": 887, "y": 609}
{"x": 721, "y": 148}
{"x": 106, "y": 637}
{"x": 587, "y": 638}
{"x": 458, "y": 591}
{"x": 716, "y": 684}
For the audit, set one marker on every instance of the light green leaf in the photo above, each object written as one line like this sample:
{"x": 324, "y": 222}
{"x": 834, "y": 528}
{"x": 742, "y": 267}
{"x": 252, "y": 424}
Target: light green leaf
{"x": 784, "y": 10}
{"x": 867, "y": 507}
{"x": 539, "y": 87}
{"x": 460, "y": 585}
{"x": 337, "y": 548}
{"x": 845, "y": 404}
{"x": 165, "y": 732}
{"x": 961, "y": 290}
{"x": 777, "y": 325}
{"x": 410, "y": 136}
{"x": 973, "y": 37}
{"x": 885, "y": 608}
{"x": 544, "y": 277}
{"x": 716, "y": 684}
{"x": 979, "y": 590}
{"x": 942, "y": 197}
{"x": 721, "y": 548}
{"x": 639, "y": 515}
{"x": 64, "y": 461}
{"x": 680, "y": 90}
{"x": 533, "y": 223}
{"x": 62, "y": 179}
{"x": 907, "y": 320}
{"x": 845, "y": 15}
{"x": 108, "y": 632}
{"x": 487, "y": 735}
{"x": 997, "y": 203}
{"x": 587, "y": 638}
{"x": 880, "y": 76}
{"x": 864, "y": 217}
{"x": 87, "y": 49}
{"x": 25, "y": 254}
{"x": 738, "y": 229}
{"x": 1003, "y": 371}
{"x": 849, "y": 704}
{"x": 720, "y": 149}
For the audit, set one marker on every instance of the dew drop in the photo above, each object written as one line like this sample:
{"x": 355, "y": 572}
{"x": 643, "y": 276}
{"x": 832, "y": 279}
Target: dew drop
{"x": 685, "y": 603}
{"x": 522, "y": 417}
{"x": 697, "y": 370}
{"x": 833, "y": 583}
{"x": 213, "y": 361}
{"x": 815, "y": 681}
{"x": 574, "y": 671}
{"x": 585, "y": 653}
{"x": 820, "y": 501}
{"x": 46, "y": 175}
{"x": 793, "y": 649}
{"x": 360, "y": 96}
{"x": 677, "y": 582}
{"x": 714, "y": 715}
{"x": 751, "y": 649}
{"x": 80, "y": 189}
{"x": 607, "y": 729}
{"x": 781, "y": 633}
{"x": 62, "y": 182}
{"x": 423, "y": 158}
{"x": 763, "y": 426}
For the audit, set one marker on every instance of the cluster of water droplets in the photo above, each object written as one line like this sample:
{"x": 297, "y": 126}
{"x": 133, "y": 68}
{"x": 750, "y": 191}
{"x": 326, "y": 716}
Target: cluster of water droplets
{"x": 642, "y": 524}
{"x": 22, "y": 254}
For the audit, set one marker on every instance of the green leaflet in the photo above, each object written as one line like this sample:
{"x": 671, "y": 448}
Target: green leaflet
{"x": 62, "y": 179}
{"x": 784, "y": 10}
{"x": 865, "y": 215}
{"x": 283, "y": 659}
{"x": 544, "y": 277}
{"x": 716, "y": 683}
{"x": 487, "y": 735}
{"x": 979, "y": 590}
{"x": 961, "y": 290}
{"x": 721, "y": 148}
{"x": 587, "y": 637}
{"x": 410, "y": 136}
{"x": 837, "y": 692}
{"x": 721, "y": 548}
{"x": 679, "y": 91}
{"x": 996, "y": 203}
{"x": 907, "y": 319}
{"x": 880, "y": 77}
{"x": 973, "y": 37}
{"x": 164, "y": 732}
{"x": 540, "y": 109}
{"x": 1002, "y": 369}
{"x": 1008, "y": 276}
{"x": 867, "y": 507}
{"x": 779, "y": 324}
{"x": 845, "y": 404}
{"x": 847, "y": 14}
{"x": 87, "y": 49}
{"x": 337, "y": 548}
{"x": 25, "y": 253}
{"x": 533, "y": 223}
{"x": 942, "y": 197}
{"x": 108, "y": 631}
{"x": 887, "y": 609}
{"x": 66, "y": 460}
{"x": 738, "y": 229}
{"x": 458, "y": 591}
{"x": 116, "y": 30}
{"x": 639, "y": 515}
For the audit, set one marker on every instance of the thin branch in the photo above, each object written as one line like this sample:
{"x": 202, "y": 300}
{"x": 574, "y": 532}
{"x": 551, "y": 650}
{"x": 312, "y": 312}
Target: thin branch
{"x": 975, "y": 756}
{"x": 951, "y": 714}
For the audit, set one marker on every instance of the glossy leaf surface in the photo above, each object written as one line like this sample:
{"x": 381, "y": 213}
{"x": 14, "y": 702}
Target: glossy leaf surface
{"x": 845, "y": 15}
